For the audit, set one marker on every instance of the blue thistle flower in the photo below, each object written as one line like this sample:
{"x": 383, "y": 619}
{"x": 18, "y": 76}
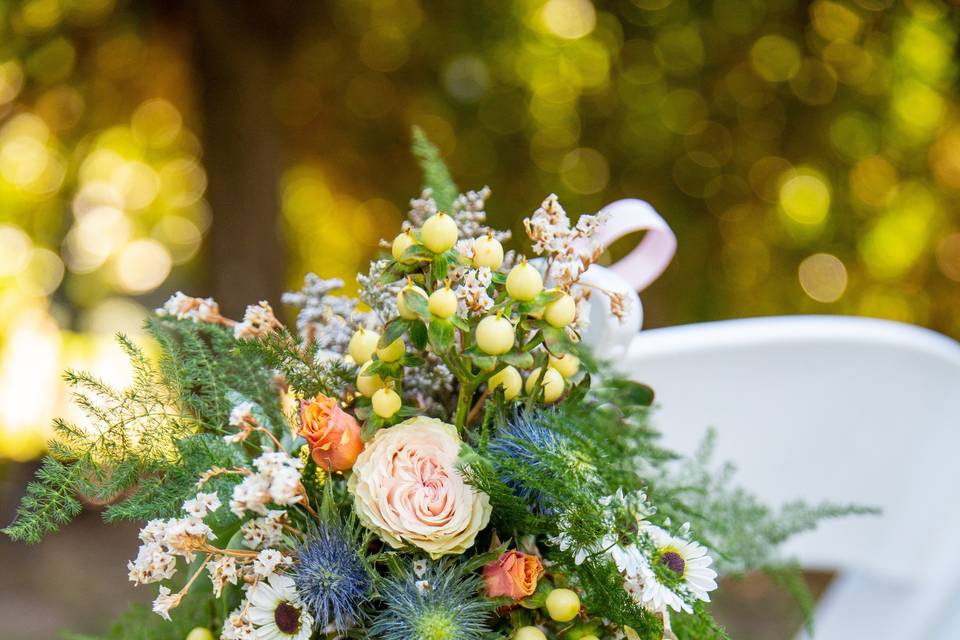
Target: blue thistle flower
{"x": 524, "y": 446}
{"x": 444, "y": 605}
{"x": 331, "y": 576}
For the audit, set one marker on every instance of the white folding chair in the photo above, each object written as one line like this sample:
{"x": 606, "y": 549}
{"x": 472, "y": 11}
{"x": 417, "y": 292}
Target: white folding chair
{"x": 850, "y": 410}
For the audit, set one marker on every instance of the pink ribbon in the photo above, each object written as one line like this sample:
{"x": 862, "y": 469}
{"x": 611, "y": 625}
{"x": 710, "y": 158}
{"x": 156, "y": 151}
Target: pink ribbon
{"x": 653, "y": 253}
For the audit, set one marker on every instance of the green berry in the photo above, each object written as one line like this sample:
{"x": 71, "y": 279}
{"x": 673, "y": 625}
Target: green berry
{"x": 524, "y": 282}
{"x": 563, "y": 605}
{"x": 439, "y": 232}
{"x": 495, "y": 335}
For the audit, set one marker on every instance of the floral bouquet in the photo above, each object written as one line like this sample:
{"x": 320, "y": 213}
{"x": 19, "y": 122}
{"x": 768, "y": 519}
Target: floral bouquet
{"x": 446, "y": 462}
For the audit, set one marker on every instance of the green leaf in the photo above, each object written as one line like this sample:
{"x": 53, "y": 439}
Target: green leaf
{"x": 499, "y": 278}
{"x": 417, "y": 252}
{"x": 557, "y": 340}
{"x": 441, "y": 335}
{"x": 393, "y": 330}
{"x": 418, "y": 334}
{"x": 460, "y": 323}
{"x": 519, "y": 359}
{"x": 416, "y": 302}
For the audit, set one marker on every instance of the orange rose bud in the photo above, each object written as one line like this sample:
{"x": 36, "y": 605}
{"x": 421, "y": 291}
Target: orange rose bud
{"x": 513, "y": 575}
{"x": 332, "y": 433}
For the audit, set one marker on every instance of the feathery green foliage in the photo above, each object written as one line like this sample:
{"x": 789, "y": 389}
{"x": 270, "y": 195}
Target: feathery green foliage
{"x": 133, "y": 434}
{"x": 297, "y": 361}
{"x": 145, "y": 441}
{"x": 436, "y": 176}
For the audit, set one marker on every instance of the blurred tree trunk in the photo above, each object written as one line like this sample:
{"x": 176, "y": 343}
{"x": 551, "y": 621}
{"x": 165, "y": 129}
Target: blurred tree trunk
{"x": 238, "y": 48}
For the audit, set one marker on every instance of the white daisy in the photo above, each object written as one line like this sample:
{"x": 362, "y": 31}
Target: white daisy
{"x": 277, "y": 611}
{"x": 688, "y": 561}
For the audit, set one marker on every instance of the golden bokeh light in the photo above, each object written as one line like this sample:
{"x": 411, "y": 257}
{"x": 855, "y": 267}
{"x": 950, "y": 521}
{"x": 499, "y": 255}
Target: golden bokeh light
{"x": 823, "y": 277}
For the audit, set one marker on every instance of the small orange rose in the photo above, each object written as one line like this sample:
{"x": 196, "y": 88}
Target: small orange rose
{"x": 332, "y": 433}
{"x": 513, "y": 575}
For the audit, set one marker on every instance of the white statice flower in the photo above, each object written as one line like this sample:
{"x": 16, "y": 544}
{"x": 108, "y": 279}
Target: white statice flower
{"x": 222, "y": 570}
{"x": 471, "y": 289}
{"x": 166, "y": 601}
{"x": 267, "y": 562}
{"x": 186, "y": 535}
{"x": 237, "y": 626}
{"x": 688, "y": 561}
{"x": 244, "y": 420}
{"x": 202, "y": 505}
{"x": 183, "y": 307}
{"x": 154, "y": 531}
{"x": 277, "y": 611}
{"x": 252, "y": 494}
{"x": 266, "y": 531}
{"x": 283, "y": 472}
{"x": 258, "y": 321}
{"x": 329, "y": 320}
{"x": 152, "y": 564}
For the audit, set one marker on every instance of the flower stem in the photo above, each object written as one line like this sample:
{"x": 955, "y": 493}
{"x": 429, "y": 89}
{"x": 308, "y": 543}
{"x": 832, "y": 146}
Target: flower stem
{"x": 464, "y": 401}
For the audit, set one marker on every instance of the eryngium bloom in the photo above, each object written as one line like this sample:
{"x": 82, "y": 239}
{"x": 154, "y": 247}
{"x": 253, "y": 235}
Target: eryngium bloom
{"x": 526, "y": 453}
{"x": 331, "y": 577}
{"x": 445, "y": 604}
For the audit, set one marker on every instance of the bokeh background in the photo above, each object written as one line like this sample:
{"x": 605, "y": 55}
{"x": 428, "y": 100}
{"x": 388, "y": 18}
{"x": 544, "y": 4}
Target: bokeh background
{"x": 806, "y": 153}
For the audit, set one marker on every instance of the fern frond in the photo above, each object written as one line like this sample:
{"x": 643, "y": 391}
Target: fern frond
{"x": 436, "y": 175}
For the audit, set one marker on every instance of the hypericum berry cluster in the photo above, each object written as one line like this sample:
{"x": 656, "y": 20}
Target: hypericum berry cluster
{"x": 498, "y": 328}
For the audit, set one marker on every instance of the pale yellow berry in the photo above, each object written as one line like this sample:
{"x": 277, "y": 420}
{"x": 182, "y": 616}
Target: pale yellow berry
{"x": 487, "y": 252}
{"x": 524, "y": 282}
{"x": 443, "y": 302}
{"x": 400, "y": 244}
{"x": 552, "y": 383}
{"x": 563, "y": 605}
{"x": 495, "y": 335}
{"x": 561, "y": 311}
{"x": 386, "y": 402}
{"x": 405, "y": 311}
{"x": 200, "y": 633}
{"x": 368, "y": 385}
{"x": 439, "y": 232}
{"x": 363, "y": 344}
{"x": 393, "y": 351}
{"x": 529, "y": 633}
{"x": 509, "y": 380}
{"x": 567, "y": 364}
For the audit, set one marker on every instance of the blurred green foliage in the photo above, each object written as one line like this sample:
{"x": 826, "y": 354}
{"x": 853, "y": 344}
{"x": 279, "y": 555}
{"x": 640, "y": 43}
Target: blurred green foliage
{"x": 807, "y": 153}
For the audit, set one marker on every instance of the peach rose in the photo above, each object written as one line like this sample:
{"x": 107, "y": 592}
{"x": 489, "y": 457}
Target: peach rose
{"x": 332, "y": 433}
{"x": 406, "y": 488}
{"x": 513, "y": 575}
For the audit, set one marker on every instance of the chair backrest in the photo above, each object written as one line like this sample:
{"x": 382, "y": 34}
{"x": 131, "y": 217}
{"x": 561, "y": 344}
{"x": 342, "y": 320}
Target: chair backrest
{"x": 850, "y": 410}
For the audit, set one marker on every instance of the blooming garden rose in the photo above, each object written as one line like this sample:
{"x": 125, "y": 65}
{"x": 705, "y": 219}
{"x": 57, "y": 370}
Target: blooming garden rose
{"x": 513, "y": 574}
{"x": 332, "y": 434}
{"x": 406, "y": 487}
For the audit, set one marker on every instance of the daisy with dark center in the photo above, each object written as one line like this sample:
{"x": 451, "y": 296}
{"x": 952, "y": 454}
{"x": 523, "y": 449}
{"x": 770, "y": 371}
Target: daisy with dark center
{"x": 444, "y": 604}
{"x": 277, "y": 611}
{"x": 679, "y": 573}
{"x": 331, "y": 577}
